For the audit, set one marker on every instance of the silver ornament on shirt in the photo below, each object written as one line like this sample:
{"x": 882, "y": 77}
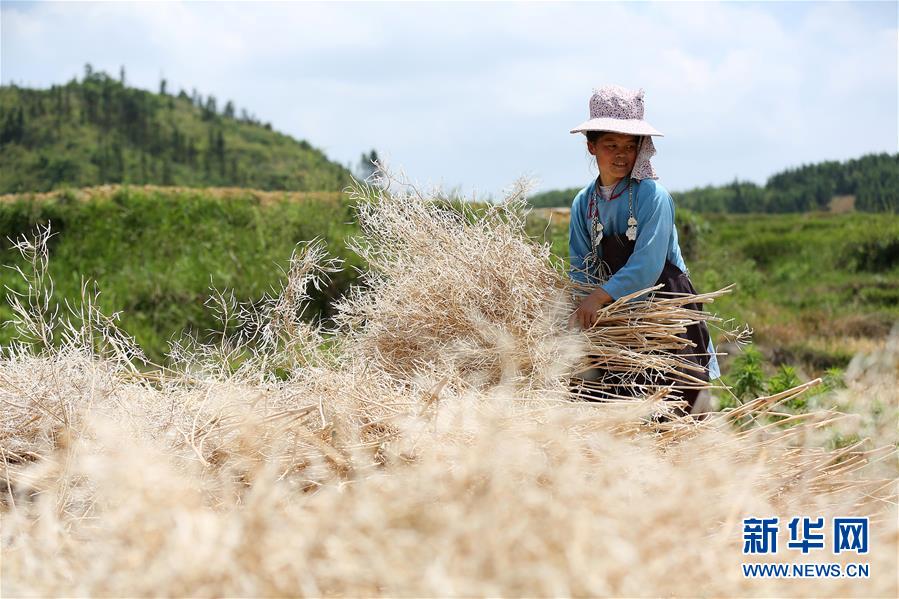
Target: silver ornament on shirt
{"x": 630, "y": 233}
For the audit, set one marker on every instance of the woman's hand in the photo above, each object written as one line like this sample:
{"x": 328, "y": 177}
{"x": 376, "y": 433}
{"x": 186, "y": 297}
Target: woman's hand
{"x": 585, "y": 315}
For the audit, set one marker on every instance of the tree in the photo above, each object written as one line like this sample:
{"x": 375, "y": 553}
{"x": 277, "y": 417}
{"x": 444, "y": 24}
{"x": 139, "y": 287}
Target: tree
{"x": 220, "y": 151}
{"x": 191, "y": 152}
{"x": 229, "y": 110}
{"x": 13, "y": 127}
{"x": 736, "y": 200}
{"x": 118, "y": 163}
{"x": 122, "y": 75}
{"x": 235, "y": 172}
{"x": 366, "y": 167}
{"x": 162, "y": 85}
{"x": 210, "y": 110}
{"x": 176, "y": 145}
{"x": 167, "y": 178}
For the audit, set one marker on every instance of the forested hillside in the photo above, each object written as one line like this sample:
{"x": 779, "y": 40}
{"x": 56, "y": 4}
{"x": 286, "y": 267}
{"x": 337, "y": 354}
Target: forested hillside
{"x": 872, "y": 182}
{"x": 99, "y": 130}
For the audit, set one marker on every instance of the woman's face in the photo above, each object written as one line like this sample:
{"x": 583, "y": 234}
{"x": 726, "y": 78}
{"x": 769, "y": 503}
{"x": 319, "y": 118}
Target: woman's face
{"x": 615, "y": 156}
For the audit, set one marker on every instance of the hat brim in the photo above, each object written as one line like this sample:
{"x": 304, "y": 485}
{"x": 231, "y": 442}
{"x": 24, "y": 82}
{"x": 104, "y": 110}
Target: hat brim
{"x": 626, "y": 126}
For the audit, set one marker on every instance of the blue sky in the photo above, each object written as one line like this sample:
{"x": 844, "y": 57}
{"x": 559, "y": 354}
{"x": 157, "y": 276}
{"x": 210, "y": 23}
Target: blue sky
{"x": 473, "y": 95}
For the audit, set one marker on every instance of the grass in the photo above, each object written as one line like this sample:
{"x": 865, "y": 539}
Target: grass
{"x": 156, "y": 252}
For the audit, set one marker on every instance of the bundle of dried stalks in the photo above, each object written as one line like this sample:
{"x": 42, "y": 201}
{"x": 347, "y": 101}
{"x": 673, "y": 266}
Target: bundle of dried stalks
{"x": 452, "y": 292}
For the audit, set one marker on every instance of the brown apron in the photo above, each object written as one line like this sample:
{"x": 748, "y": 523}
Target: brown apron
{"x": 616, "y": 249}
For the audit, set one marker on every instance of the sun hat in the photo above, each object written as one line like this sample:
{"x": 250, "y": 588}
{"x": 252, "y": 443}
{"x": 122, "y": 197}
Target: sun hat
{"x": 620, "y": 110}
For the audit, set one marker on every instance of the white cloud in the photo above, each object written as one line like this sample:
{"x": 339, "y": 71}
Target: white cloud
{"x": 477, "y": 94}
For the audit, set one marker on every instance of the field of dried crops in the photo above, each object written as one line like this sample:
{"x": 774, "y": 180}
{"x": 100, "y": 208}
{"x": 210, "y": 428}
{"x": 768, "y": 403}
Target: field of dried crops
{"x": 430, "y": 445}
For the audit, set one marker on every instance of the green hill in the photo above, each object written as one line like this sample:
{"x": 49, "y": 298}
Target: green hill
{"x": 870, "y": 182}
{"x": 99, "y": 130}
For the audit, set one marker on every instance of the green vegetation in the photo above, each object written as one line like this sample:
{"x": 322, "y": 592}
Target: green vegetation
{"x": 99, "y": 131}
{"x": 747, "y": 380}
{"x": 805, "y": 282}
{"x": 747, "y": 377}
{"x": 156, "y": 253}
{"x": 554, "y": 198}
{"x": 870, "y": 182}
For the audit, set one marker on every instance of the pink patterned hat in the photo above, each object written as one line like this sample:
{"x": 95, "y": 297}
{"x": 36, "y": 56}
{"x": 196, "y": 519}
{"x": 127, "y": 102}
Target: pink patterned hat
{"x": 620, "y": 110}
{"x": 617, "y": 109}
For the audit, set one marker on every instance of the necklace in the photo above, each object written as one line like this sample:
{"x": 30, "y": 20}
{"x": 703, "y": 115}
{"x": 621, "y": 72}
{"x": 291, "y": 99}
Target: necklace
{"x": 593, "y": 207}
{"x": 613, "y": 196}
{"x": 631, "y": 232}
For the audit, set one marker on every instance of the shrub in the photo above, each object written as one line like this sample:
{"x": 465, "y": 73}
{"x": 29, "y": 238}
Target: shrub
{"x": 747, "y": 377}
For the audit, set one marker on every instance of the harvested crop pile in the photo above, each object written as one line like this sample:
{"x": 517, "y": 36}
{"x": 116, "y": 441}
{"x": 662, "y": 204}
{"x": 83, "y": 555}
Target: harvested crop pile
{"x": 466, "y": 296}
{"x": 430, "y": 447}
{"x": 459, "y": 294}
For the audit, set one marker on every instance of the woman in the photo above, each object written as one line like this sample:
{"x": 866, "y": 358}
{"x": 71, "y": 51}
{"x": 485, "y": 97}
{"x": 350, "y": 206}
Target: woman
{"x": 623, "y": 222}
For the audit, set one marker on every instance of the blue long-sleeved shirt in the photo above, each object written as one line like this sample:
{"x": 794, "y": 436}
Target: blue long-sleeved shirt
{"x": 656, "y": 240}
